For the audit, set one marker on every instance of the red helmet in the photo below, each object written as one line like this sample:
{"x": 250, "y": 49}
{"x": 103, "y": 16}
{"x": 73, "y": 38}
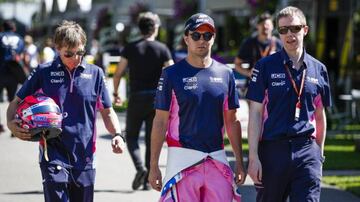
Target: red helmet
{"x": 41, "y": 115}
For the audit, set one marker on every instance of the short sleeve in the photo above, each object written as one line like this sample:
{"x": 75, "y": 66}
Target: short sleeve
{"x": 233, "y": 96}
{"x": 104, "y": 96}
{"x": 257, "y": 86}
{"x": 325, "y": 91}
{"x": 163, "y": 92}
{"x": 166, "y": 54}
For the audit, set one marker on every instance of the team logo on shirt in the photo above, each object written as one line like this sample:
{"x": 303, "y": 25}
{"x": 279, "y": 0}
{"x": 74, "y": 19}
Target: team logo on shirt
{"x": 61, "y": 80}
{"x": 278, "y": 76}
{"x": 160, "y": 84}
{"x": 59, "y": 73}
{"x": 254, "y": 75}
{"x": 31, "y": 74}
{"x": 86, "y": 76}
{"x": 280, "y": 83}
{"x": 105, "y": 82}
{"x": 12, "y": 41}
{"x": 190, "y": 83}
{"x": 312, "y": 80}
{"x": 216, "y": 80}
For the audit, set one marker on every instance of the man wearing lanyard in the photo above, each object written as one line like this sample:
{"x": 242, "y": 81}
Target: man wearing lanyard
{"x": 258, "y": 46}
{"x": 288, "y": 92}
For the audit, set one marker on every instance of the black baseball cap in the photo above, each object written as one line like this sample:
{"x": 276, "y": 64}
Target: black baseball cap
{"x": 197, "y": 20}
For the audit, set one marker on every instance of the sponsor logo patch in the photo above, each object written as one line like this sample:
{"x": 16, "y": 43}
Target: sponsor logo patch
{"x": 281, "y": 83}
{"x": 59, "y": 73}
{"x": 190, "y": 83}
{"x": 61, "y": 80}
{"x": 216, "y": 80}
{"x": 312, "y": 80}
{"x": 278, "y": 76}
{"x": 86, "y": 76}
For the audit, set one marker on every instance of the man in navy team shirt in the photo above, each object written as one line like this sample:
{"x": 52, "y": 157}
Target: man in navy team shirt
{"x": 68, "y": 162}
{"x": 287, "y": 125}
{"x": 195, "y": 101}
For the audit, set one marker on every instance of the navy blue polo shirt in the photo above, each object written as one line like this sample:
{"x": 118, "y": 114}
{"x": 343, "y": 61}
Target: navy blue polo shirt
{"x": 196, "y": 99}
{"x": 79, "y": 94}
{"x": 271, "y": 85}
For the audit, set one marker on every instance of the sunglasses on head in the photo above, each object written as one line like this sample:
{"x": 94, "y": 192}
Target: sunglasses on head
{"x": 293, "y": 29}
{"x": 206, "y": 36}
{"x": 69, "y": 54}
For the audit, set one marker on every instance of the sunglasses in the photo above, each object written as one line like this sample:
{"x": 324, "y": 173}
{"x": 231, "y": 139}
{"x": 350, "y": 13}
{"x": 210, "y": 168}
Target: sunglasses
{"x": 206, "y": 36}
{"x": 293, "y": 29}
{"x": 69, "y": 54}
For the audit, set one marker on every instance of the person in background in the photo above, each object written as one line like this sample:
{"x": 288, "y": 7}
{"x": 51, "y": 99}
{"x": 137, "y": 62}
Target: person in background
{"x": 145, "y": 59}
{"x": 31, "y": 56}
{"x": 11, "y": 54}
{"x": 48, "y": 53}
{"x": 67, "y": 163}
{"x": 262, "y": 44}
{"x": 11, "y": 57}
{"x": 195, "y": 100}
{"x": 288, "y": 93}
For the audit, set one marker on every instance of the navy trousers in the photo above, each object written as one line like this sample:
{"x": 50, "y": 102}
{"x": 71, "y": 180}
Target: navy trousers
{"x": 291, "y": 168}
{"x": 67, "y": 185}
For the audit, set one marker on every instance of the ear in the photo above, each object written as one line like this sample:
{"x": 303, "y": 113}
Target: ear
{"x": 186, "y": 39}
{"x": 306, "y": 30}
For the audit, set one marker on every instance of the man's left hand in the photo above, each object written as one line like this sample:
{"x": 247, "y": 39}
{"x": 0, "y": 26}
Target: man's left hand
{"x": 118, "y": 144}
{"x": 240, "y": 174}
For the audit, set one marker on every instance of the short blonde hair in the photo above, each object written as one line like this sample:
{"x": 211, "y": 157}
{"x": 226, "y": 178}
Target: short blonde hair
{"x": 291, "y": 11}
{"x": 69, "y": 34}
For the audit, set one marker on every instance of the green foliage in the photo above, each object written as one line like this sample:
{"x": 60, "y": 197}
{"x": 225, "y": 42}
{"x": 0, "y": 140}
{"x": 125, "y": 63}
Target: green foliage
{"x": 25, "y": 1}
{"x": 348, "y": 183}
{"x": 340, "y": 154}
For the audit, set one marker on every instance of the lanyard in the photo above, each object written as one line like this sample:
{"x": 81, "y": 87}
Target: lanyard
{"x": 268, "y": 49}
{"x": 297, "y": 91}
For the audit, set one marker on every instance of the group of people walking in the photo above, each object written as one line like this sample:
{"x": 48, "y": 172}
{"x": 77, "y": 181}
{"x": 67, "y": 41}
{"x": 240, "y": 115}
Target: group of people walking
{"x": 190, "y": 105}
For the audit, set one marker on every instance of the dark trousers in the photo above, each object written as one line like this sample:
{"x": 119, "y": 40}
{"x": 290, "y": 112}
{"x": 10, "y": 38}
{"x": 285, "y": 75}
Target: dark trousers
{"x": 140, "y": 109}
{"x": 290, "y": 168}
{"x": 67, "y": 185}
{"x": 10, "y": 84}
{"x": 67, "y": 192}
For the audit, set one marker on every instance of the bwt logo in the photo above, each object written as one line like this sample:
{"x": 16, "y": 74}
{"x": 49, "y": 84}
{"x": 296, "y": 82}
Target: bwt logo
{"x": 60, "y": 73}
{"x": 278, "y": 76}
{"x": 202, "y": 20}
{"x": 189, "y": 79}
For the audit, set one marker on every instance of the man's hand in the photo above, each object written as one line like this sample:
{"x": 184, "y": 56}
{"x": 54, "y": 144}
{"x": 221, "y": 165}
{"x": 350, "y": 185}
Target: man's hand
{"x": 155, "y": 178}
{"x": 118, "y": 144}
{"x": 17, "y": 131}
{"x": 255, "y": 170}
{"x": 117, "y": 101}
{"x": 240, "y": 174}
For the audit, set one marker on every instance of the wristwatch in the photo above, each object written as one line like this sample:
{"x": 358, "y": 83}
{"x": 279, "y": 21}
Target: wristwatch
{"x": 115, "y": 94}
{"x": 121, "y": 135}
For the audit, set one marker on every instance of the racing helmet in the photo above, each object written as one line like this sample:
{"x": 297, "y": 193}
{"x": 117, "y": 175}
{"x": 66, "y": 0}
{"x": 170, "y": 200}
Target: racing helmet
{"x": 41, "y": 115}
